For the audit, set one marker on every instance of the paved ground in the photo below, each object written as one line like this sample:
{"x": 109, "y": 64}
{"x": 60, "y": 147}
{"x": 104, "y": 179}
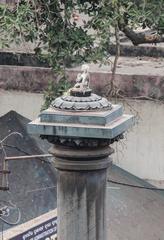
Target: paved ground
{"x": 133, "y": 65}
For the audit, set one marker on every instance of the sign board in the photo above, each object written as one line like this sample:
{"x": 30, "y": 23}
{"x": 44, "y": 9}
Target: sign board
{"x": 42, "y": 228}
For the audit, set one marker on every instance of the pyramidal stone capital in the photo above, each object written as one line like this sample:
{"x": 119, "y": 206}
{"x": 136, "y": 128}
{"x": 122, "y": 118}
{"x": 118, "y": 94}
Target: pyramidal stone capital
{"x": 76, "y": 118}
{"x": 82, "y": 114}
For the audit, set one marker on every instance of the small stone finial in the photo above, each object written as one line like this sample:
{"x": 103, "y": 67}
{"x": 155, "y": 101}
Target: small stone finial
{"x": 82, "y": 82}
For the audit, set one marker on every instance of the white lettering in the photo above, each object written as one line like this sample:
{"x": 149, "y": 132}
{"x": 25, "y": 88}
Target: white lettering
{"x": 54, "y": 222}
{"x": 46, "y": 233}
{"x": 27, "y": 235}
{"x": 48, "y": 225}
{"x": 37, "y": 230}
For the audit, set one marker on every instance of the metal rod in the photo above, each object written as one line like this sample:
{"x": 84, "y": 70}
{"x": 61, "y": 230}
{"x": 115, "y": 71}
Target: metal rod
{"x": 28, "y": 157}
{"x": 4, "y": 188}
{"x": 5, "y": 171}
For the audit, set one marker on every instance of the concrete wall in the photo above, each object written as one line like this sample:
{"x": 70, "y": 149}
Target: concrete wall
{"x": 26, "y": 104}
{"x": 141, "y": 153}
{"x": 135, "y": 78}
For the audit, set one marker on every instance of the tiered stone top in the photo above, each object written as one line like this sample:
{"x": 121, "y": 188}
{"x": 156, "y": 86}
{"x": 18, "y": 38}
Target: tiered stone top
{"x": 80, "y": 114}
{"x": 81, "y": 101}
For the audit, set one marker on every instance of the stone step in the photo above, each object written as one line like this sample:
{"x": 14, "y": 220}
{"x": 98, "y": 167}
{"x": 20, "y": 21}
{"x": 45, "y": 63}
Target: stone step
{"x": 130, "y": 50}
{"x": 20, "y": 58}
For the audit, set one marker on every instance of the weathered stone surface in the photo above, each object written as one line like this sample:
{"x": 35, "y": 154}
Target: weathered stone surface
{"x": 82, "y": 205}
{"x": 135, "y": 78}
{"x": 81, "y": 192}
{"x": 82, "y": 117}
{"x": 81, "y": 126}
{"x": 148, "y": 50}
{"x": 81, "y": 142}
{"x": 109, "y": 131}
{"x": 92, "y": 102}
{"x": 91, "y": 117}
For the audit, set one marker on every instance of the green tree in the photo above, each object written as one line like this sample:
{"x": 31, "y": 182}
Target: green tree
{"x": 63, "y": 40}
{"x": 109, "y": 17}
{"x": 53, "y": 27}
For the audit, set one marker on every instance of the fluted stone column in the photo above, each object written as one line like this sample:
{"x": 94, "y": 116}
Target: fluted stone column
{"x": 81, "y": 192}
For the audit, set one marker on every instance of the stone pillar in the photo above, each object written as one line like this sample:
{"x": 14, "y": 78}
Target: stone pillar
{"x": 81, "y": 192}
{"x": 81, "y": 125}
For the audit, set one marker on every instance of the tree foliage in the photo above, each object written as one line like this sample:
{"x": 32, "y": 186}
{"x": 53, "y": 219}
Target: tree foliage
{"x": 50, "y": 24}
{"x": 55, "y": 26}
{"x": 129, "y": 15}
{"x": 64, "y": 39}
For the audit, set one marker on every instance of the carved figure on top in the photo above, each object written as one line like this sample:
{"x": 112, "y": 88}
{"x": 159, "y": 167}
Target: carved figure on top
{"x": 81, "y": 88}
{"x": 83, "y": 79}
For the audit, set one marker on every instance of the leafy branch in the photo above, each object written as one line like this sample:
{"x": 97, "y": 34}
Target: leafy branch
{"x": 63, "y": 40}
